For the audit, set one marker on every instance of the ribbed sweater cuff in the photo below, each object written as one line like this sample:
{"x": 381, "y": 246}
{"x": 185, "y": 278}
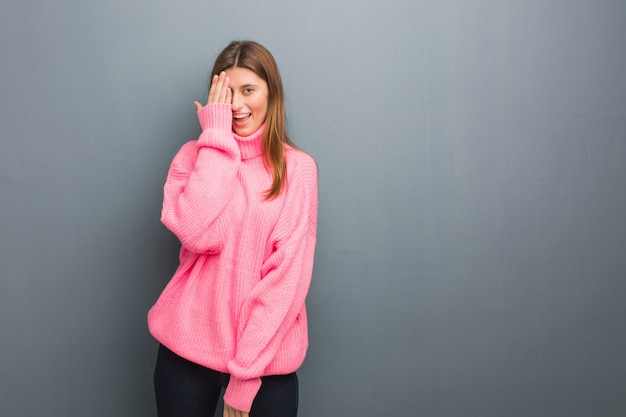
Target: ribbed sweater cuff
{"x": 240, "y": 393}
{"x": 218, "y": 116}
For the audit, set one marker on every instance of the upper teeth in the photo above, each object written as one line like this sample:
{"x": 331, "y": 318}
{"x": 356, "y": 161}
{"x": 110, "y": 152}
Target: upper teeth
{"x": 240, "y": 116}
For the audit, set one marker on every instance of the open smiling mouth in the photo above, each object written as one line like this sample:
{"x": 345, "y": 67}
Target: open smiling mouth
{"x": 241, "y": 119}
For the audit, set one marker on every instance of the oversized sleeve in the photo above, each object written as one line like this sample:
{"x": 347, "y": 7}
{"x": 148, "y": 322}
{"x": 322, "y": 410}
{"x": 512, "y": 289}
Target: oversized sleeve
{"x": 201, "y": 181}
{"x": 271, "y": 309}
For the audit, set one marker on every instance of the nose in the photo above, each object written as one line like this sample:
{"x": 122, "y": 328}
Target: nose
{"x": 237, "y": 102}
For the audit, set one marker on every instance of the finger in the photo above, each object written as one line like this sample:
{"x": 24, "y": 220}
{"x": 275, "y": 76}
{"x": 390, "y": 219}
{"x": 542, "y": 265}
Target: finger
{"x": 198, "y": 105}
{"x": 224, "y": 90}
{"x": 212, "y": 89}
{"x": 229, "y": 96}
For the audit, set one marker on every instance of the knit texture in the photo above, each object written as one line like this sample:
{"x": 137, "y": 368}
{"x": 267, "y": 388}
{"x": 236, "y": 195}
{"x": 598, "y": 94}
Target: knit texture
{"x": 236, "y": 303}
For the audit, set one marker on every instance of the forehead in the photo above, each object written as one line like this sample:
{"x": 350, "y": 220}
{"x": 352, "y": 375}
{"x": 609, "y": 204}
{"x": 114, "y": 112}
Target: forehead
{"x": 243, "y": 76}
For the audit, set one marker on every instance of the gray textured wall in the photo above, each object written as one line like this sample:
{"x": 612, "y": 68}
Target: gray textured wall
{"x": 471, "y": 253}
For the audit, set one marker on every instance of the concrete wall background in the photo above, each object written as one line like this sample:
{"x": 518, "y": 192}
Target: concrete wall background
{"x": 472, "y": 161}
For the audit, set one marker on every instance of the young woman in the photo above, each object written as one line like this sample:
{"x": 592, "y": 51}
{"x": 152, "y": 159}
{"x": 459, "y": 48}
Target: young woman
{"x": 243, "y": 202}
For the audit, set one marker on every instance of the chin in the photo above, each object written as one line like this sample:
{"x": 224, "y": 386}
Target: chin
{"x": 245, "y": 131}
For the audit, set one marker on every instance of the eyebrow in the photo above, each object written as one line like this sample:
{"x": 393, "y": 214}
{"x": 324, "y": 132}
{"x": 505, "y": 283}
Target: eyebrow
{"x": 248, "y": 85}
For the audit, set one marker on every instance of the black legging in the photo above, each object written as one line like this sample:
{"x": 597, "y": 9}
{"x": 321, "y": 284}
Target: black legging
{"x": 184, "y": 388}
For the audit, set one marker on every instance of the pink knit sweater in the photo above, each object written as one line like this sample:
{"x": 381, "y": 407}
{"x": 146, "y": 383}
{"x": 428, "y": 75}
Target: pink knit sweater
{"x": 236, "y": 303}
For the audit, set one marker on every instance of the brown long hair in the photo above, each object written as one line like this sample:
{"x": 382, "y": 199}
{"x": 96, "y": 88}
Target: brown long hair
{"x": 255, "y": 57}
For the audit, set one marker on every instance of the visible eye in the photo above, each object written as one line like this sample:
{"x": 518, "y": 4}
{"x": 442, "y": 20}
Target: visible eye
{"x": 248, "y": 90}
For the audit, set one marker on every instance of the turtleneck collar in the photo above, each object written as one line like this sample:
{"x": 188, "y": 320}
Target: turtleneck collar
{"x": 252, "y": 145}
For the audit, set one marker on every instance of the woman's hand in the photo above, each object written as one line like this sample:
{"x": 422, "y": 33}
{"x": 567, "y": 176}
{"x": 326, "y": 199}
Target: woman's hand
{"x": 232, "y": 412}
{"x": 219, "y": 91}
